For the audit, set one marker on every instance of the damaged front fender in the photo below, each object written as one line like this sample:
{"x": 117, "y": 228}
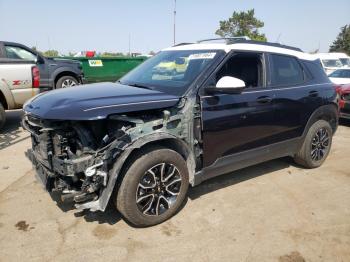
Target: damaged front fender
{"x": 139, "y": 143}
{"x": 85, "y": 159}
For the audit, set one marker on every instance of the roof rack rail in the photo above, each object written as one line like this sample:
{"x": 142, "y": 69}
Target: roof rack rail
{"x": 247, "y": 40}
{"x": 228, "y": 40}
{"x": 268, "y": 44}
{"x": 180, "y": 44}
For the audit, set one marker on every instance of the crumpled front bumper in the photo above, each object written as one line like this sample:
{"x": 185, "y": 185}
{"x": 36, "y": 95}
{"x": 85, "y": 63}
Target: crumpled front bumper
{"x": 42, "y": 174}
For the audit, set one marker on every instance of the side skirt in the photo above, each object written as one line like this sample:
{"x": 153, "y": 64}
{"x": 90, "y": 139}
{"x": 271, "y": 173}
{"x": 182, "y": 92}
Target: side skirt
{"x": 247, "y": 158}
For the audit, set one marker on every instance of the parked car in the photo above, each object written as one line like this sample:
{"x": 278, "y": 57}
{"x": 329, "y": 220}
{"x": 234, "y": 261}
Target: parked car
{"x": 344, "y": 100}
{"x": 340, "y": 76}
{"x": 344, "y": 58}
{"x": 19, "y": 81}
{"x": 142, "y": 141}
{"x": 329, "y": 62}
{"x": 54, "y": 72}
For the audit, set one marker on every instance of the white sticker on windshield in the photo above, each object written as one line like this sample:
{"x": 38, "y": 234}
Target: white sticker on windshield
{"x": 202, "y": 56}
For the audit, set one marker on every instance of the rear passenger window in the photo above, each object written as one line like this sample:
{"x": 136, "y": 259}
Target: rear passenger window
{"x": 285, "y": 70}
{"x": 15, "y": 52}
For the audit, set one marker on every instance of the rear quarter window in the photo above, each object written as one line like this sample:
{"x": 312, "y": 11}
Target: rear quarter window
{"x": 285, "y": 70}
{"x": 316, "y": 70}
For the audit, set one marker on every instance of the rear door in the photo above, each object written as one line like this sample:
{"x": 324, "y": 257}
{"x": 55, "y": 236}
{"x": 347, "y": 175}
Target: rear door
{"x": 296, "y": 97}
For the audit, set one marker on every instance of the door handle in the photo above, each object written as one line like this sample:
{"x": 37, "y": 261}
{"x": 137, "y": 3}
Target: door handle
{"x": 313, "y": 93}
{"x": 264, "y": 99}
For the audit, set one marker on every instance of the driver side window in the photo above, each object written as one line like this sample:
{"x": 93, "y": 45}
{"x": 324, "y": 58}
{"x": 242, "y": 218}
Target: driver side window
{"x": 244, "y": 66}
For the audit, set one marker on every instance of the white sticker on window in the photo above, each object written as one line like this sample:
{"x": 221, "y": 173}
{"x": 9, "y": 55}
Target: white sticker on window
{"x": 202, "y": 56}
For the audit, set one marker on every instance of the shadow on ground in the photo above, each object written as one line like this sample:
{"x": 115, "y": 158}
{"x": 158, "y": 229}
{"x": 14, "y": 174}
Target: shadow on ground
{"x": 10, "y": 133}
{"x": 239, "y": 176}
{"x": 111, "y": 216}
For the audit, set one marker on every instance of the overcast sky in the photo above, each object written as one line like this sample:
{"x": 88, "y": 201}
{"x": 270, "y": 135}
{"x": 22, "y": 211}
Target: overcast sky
{"x": 105, "y": 25}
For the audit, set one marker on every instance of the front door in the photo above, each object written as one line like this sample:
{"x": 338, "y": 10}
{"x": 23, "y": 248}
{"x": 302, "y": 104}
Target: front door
{"x": 233, "y": 123}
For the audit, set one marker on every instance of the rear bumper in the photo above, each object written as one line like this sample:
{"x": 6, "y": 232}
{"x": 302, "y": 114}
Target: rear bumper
{"x": 345, "y": 109}
{"x": 82, "y": 79}
{"x": 20, "y": 96}
{"x": 344, "y": 115}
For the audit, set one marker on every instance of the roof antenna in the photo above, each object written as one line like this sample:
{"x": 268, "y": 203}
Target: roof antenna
{"x": 278, "y": 38}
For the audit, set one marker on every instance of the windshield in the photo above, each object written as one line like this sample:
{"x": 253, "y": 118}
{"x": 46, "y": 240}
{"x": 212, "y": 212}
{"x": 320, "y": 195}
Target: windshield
{"x": 345, "y": 61}
{"x": 332, "y": 63}
{"x": 341, "y": 73}
{"x": 171, "y": 72}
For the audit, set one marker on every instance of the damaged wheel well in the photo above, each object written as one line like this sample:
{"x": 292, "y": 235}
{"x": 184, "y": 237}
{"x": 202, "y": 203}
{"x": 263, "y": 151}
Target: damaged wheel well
{"x": 170, "y": 143}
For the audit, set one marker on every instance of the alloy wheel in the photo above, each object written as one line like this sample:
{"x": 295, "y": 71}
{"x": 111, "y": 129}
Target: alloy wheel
{"x": 320, "y": 144}
{"x": 68, "y": 83}
{"x": 158, "y": 189}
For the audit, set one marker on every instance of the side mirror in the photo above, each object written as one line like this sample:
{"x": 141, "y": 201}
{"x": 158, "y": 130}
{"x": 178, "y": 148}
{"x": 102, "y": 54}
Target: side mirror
{"x": 39, "y": 59}
{"x": 227, "y": 85}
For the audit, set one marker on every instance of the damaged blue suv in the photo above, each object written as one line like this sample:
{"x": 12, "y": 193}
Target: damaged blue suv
{"x": 142, "y": 141}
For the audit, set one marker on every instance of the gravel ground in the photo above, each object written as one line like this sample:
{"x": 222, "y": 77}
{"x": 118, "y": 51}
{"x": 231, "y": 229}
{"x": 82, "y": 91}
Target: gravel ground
{"x": 274, "y": 211}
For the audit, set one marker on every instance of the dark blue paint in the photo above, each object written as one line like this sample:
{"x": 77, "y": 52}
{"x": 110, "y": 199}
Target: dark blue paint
{"x": 96, "y": 101}
{"x": 234, "y": 123}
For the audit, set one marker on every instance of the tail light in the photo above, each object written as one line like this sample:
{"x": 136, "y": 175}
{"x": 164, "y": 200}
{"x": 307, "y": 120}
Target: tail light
{"x": 339, "y": 101}
{"x": 35, "y": 76}
{"x": 337, "y": 88}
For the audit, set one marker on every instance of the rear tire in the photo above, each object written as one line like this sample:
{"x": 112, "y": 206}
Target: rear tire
{"x": 153, "y": 188}
{"x": 316, "y": 146}
{"x": 2, "y": 116}
{"x": 66, "y": 81}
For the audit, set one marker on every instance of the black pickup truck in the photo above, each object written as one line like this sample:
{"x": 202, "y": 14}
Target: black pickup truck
{"x": 54, "y": 72}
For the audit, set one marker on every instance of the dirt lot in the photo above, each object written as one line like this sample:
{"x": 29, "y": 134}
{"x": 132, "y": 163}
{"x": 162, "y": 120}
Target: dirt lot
{"x": 275, "y": 211}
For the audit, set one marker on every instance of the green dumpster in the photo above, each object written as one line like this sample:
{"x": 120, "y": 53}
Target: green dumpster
{"x": 101, "y": 69}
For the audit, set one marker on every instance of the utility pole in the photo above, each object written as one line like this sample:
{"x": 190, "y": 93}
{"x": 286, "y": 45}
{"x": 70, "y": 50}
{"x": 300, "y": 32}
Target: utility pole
{"x": 129, "y": 46}
{"x": 174, "y": 22}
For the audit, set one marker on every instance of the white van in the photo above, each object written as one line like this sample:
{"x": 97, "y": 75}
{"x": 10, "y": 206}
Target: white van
{"x": 344, "y": 58}
{"x": 329, "y": 62}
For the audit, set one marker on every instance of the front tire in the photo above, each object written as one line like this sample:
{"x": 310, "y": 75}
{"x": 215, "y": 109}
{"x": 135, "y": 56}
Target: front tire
{"x": 316, "y": 146}
{"x": 2, "y": 116}
{"x": 153, "y": 188}
{"x": 66, "y": 81}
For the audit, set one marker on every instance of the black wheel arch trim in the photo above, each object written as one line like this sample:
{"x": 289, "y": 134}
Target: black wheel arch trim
{"x": 328, "y": 112}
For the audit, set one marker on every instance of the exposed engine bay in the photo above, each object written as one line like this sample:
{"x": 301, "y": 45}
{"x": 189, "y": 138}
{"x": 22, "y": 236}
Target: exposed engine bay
{"x": 79, "y": 159}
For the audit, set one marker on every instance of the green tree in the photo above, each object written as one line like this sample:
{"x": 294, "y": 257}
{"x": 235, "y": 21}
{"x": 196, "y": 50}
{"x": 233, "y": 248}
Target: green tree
{"x": 242, "y": 24}
{"x": 50, "y": 53}
{"x": 36, "y": 50}
{"x": 342, "y": 42}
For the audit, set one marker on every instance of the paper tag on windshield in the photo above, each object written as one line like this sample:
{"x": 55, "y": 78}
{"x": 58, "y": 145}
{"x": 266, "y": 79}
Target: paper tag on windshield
{"x": 202, "y": 56}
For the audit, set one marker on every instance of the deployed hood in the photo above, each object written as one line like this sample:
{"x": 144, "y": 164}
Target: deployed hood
{"x": 96, "y": 101}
